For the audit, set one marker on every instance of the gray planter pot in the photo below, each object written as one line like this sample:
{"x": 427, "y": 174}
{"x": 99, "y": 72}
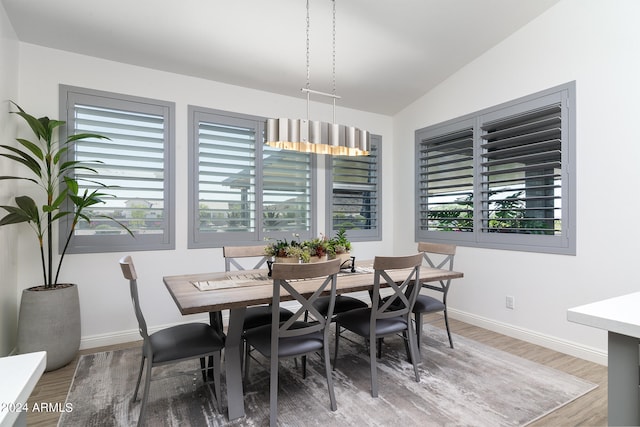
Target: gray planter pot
{"x": 49, "y": 321}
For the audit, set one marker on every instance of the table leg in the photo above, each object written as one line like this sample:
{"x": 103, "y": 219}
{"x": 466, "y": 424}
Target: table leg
{"x": 215, "y": 320}
{"x": 624, "y": 394}
{"x": 233, "y": 367}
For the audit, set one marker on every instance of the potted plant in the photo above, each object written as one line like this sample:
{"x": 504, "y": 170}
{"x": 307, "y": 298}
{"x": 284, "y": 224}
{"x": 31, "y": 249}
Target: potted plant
{"x": 318, "y": 248}
{"x": 49, "y": 316}
{"x": 340, "y": 245}
{"x": 284, "y": 251}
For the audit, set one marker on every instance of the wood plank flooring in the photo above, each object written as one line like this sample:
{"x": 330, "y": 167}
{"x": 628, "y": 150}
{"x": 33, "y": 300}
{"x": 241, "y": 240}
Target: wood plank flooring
{"x": 588, "y": 410}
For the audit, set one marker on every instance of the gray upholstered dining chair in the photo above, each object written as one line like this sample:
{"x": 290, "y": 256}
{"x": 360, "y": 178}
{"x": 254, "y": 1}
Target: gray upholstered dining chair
{"x": 388, "y": 316}
{"x": 436, "y": 255}
{"x": 233, "y": 256}
{"x": 173, "y": 344}
{"x": 241, "y": 258}
{"x": 294, "y": 337}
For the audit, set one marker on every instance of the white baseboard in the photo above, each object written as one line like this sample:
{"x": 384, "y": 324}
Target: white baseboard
{"x": 563, "y": 346}
{"x": 548, "y": 341}
{"x": 120, "y": 337}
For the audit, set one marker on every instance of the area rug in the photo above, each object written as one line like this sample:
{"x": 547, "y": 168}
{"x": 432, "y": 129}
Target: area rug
{"x": 471, "y": 385}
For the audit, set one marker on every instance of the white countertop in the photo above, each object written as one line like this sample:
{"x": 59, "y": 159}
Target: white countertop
{"x": 620, "y": 314}
{"x": 19, "y": 374}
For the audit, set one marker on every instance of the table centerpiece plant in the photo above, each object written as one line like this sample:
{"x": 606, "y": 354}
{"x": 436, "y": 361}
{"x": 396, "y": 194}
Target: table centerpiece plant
{"x": 340, "y": 246}
{"x": 288, "y": 251}
{"x": 318, "y": 248}
{"x": 312, "y": 250}
{"x": 49, "y": 317}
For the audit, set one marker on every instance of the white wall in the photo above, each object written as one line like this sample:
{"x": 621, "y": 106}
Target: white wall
{"x": 106, "y": 311}
{"x": 8, "y": 235}
{"x": 595, "y": 43}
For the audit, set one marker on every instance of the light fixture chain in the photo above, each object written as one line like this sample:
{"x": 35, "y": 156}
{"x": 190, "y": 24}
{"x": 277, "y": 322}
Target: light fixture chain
{"x": 334, "y": 46}
{"x": 308, "y": 63}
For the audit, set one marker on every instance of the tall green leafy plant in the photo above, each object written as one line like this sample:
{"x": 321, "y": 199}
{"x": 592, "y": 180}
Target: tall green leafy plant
{"x": 44, "y": 158}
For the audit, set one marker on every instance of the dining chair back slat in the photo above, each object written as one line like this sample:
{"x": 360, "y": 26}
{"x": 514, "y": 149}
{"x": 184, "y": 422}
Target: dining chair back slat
{"x": 232, "y": 254}
{"x": 129, "y": 273}
{"x": 447, "y": 254}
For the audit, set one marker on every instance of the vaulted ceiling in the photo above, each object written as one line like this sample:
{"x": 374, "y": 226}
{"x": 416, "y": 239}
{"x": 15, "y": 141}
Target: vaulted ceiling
{"x": 388, "y": 52}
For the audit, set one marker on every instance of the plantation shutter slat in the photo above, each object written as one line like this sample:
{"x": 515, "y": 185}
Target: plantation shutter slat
{"x": 521, "y": 173}
{"x": 226, "y": 177}
{"x": 446, "y": 181}
{"x": 131, "y": 163}
{"x": 355, "y": 199}
{"x": 286, "y": 192}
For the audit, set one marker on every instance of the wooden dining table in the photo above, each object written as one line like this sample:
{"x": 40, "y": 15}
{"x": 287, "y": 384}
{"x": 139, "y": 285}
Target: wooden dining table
{"x": 237, "y": 290}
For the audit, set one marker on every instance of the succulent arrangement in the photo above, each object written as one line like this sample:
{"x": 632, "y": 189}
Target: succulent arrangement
{"x": 318, "y": 247}
{"x": 288, "y": 249}
{"x": 304, "y": 250}
{"x": 340, "y": 243}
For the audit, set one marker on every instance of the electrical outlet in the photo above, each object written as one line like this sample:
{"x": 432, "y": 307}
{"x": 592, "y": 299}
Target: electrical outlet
{"x": 511, "y": 302}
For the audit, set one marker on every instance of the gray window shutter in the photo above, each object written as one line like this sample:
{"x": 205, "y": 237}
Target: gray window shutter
{"x": 446, "y": 179}
{"x": 131, "y": 163}
{"x": 226, "y": 177}
{"x": 286, "y": 192}
{"x": 521, "y": 176}
{"x": 503, "y": 177}
{"x": 355, "y": 194}
{"x": 136, "y": 164}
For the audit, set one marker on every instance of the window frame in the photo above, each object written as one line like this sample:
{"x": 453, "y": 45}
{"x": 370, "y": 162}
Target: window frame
{"x": 69, "y": 96}
{"x": 353, "y": 234}
{"x": 565, "y": 242}
{"x": 216, "y": 240}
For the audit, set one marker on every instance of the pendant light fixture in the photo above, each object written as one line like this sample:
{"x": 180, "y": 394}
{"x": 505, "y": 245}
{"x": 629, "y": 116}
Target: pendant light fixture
{"x": 310, "y": 136}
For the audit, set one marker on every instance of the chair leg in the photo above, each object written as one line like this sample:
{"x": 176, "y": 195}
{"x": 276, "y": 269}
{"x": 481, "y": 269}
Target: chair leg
{"x": 216, "y": 380}
{"x": 135, "y": 393}
{"x": 418, "y": 319}
{"x": 203, "y": 369}
{"x": 273, "y": 392}
{"x": 247, "y": 360}
{"x": 145, "y": 394}
{"x": 374, "y": 367}
{"x": 415, "y": 354}
{"x": 327, "y": 371}
{"x": 210, "y": 369}
{"x": 215, "y": 320}
{"x": 304, "y": 367}
{"x": 335, "y": 351}
{"x": 242, "y": 355}
{"x": 446, "y": 322}
{"x": 405, "y": 339}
